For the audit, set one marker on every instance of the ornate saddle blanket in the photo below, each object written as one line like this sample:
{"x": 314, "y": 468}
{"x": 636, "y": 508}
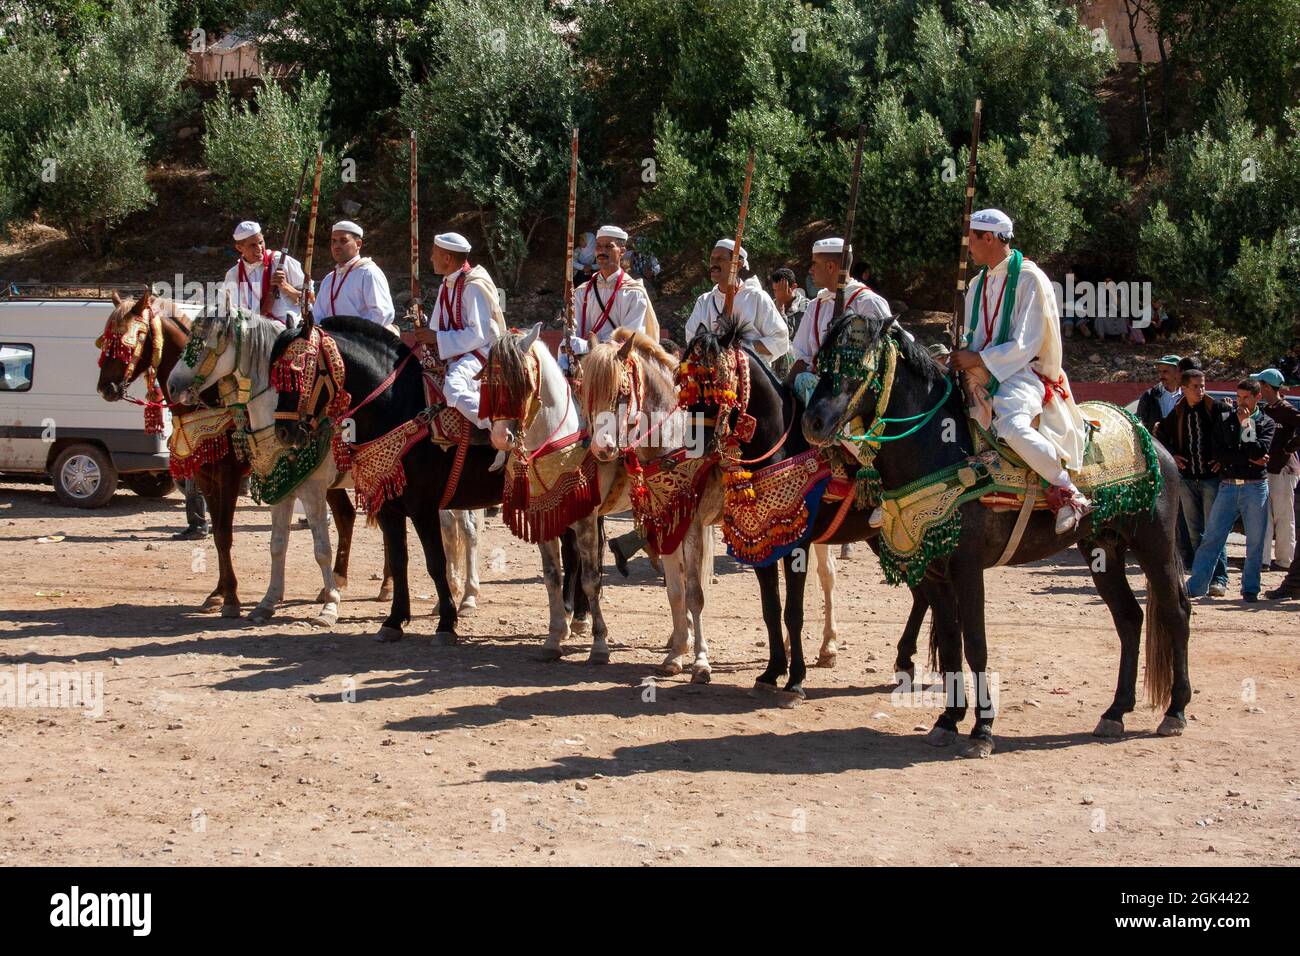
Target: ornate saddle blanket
{"x": 549, "y": 490}
{"x": 199, "y": 438}
{"x": 665, "y": 494}
{"x": 767, "y": 514}
{"x": 922, "y": 522}
{"x": 276, "y": 471}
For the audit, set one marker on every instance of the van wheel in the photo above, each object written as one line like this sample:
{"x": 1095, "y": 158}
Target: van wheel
{"x": 150, "y": 484}
{"x": 84, "y": 476}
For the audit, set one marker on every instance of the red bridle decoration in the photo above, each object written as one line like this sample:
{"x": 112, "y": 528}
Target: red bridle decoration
{"x": 127, "y": 347}
{"x": 307, "y": 367}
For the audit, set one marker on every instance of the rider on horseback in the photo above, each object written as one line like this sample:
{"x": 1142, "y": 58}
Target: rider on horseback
{"x": 1012, "y": 361}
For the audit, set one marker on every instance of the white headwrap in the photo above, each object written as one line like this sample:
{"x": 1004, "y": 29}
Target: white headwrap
{"x": 452, "y": 241}
{"x": 347, "y": 225}
{"x": 729, "y": 245}
{"x": 246, "y": 229}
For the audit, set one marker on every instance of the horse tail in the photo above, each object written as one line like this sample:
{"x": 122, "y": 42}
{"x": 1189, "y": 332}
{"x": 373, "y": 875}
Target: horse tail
{"x": 1160, "y": 640}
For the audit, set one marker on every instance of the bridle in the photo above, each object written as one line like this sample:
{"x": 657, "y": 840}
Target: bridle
{"x": 127, "y": 346}
{"x": 233, "y": 388}
{"x": 311, "y": 366}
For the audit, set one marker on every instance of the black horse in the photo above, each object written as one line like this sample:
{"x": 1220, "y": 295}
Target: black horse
{"x": 921, "y": 385}
{"x": 776, "y": 410}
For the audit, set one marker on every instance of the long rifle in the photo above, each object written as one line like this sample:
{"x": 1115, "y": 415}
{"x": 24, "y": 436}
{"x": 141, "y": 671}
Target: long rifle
{"x": 570, "y": 321}
{"x": 309, "y": 284}
{"x": 959, "y": 310}
{"x": 733, "y": 271}
{"x": 268, "y": 300}
{"x": 846, "y": 256}
{"x": 417, "y": 315}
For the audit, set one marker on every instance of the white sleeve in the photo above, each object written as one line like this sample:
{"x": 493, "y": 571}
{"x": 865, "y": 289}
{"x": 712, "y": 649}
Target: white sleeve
{"x": 634, "y": 310}
{"x": 293, "y": 271}
{"x": 1026, "y": 339}
{"x": 769, "y": 328}
{"x": 698, "y": 316}
{"x": 321, "y": 309}
{"x": 802, "y": 347}
{"x": 378, "y": 306}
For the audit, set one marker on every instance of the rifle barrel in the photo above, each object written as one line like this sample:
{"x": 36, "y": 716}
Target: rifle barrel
{"x": 846, "y": 257}
{"x": 729, "y": 297}
{"x": 959, "y": 309}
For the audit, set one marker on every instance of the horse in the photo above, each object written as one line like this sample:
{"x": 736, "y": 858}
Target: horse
{"x": 140, "y": 330}
{"x": 223, "y": 348}
{"x": 387, "y": 386}
{"x": 774, "y": 409}
{"x": 855, "y": 371}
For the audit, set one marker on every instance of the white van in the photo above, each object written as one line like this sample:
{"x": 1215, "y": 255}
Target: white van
{"x": 52, "y": 420}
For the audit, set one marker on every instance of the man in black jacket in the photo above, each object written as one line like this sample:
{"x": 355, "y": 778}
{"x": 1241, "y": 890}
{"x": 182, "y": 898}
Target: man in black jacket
{"x": 1187, "y": 432}
{"x": 1241, "y": 439}
{"x": 1159, "y": 400}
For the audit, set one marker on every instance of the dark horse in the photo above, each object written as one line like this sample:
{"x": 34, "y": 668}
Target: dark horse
{"x": 920, "y": 385}
{"x": 219, "y": 480}
{"x": 776, "y": 409}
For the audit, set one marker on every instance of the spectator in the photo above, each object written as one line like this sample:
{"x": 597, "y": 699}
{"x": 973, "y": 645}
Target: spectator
{"x": 641, "y": 263}
{"x": 1159, "y": 400}
{"x": 1290, "y": 586}
{"x": 584, "y": 259}
{"x": 1187, "y": 432}
{"x": 791, "y": 303}
{"x": 1241, "y": 439}
{"x": 1162, "y": 324}
{"x": 1282, "y": 469}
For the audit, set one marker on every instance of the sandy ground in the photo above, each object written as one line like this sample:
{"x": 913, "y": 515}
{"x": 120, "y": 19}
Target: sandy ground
{"x": 225, "y": 743}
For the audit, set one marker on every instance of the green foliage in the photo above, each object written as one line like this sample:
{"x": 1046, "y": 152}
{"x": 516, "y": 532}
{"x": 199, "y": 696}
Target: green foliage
{"x": 494, "y": 115}
{"x": 256, "y": 151}
{"x": 98, "y": 173}
{"x": 1261, "y": 294}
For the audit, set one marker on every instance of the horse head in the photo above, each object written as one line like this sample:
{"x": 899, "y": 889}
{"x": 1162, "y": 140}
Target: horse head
{"x": 131, "y": 343}
{"x": 295, "y": 413}
{"x": 628, "y": 396}
{"x": 508, "y": 387}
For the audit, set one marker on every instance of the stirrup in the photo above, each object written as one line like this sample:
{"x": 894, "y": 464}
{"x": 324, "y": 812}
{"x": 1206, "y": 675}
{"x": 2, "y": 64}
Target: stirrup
{"x": 877, "y": 518}
{"x": 1070, "y": 507}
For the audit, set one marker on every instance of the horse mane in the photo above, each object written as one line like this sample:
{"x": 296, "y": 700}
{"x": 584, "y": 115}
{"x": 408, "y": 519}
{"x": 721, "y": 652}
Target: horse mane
{"x": 915, "y": 355}
{"x": 507, "y": 371}
{"x": 602, "y": 371}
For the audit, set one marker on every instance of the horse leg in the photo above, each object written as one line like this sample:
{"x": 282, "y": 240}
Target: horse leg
{"x": 769, "y": 592}
{"x": 904, "y": 668}
{"x": 552, "y": 575}
{"x": 795, "y": 581}
{"x": 345, "y": 516}
{"x": 429, "y": 527}
{"x": 450, "y": 528}
{"x": 830, "y": 632}
{"x": 575, "y": 597}
{"x": 313, "y": 503}
{"x": 393, "y": 524}
{"x": 220, "y": 487}
{"x": 697, "y": 551}
{"x": 472, "y": 521}
{"x": 281, "y": 515}
{"x": 675, "y": 585}
{"x": 1168, "y": 615}
{"x": 1106, "y": 560}
{"x": 590, "y": 545}
{"x": 946, "y": 647}
{"x": 968, "y": 583}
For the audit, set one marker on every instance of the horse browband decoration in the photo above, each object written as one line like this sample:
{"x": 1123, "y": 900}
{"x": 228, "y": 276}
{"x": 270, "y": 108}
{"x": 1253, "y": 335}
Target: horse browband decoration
{"x": 127, "y": 347}
{"x": 309, "y": 366}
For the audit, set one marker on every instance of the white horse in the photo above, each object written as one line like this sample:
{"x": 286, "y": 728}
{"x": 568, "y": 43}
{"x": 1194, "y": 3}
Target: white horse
{"x": 226, "y": 346}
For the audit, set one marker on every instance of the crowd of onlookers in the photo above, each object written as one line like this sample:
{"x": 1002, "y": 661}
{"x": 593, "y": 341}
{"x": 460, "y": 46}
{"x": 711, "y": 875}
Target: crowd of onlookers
{"x": 1238, "y": 461}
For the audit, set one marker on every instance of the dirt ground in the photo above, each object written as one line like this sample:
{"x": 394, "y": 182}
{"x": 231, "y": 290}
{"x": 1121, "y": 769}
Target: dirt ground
{"x": 225, "y": 743}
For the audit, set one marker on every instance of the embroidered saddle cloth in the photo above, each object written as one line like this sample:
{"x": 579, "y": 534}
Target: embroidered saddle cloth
{"x": 665, "y": 495}
{"x": 545, "y": 493}
{"x": 768, "y": 514}
{"x": 199, "y": 438}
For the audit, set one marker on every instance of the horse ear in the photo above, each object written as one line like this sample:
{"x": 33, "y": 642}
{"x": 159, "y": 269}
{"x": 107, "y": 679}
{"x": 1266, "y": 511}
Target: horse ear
{"x": 145, "y": 300}
{"x": 592, "y": 341}
{"x": 117, "y": 299}
{"x": 625, "y": 349}
{"x": 533, "y": 334}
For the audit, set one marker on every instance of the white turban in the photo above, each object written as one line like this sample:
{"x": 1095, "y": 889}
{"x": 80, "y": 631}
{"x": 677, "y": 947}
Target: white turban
{"x": 245, "y": 229}
{"x": 729, "y": 245}
{"x": 612, "y": 232}
{"x": 453, "y": 241}
{"x": 347, "y": 225}
{"x": 828, "y": 246}
{"x": 992, "y": 220}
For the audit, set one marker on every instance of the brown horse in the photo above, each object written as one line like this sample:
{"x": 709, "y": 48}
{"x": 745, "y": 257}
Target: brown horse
{"x": 134, "y": 324}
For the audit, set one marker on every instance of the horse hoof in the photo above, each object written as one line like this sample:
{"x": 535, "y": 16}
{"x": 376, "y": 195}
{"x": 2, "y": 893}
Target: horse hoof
{"x": 388, "y": 635}
{"x": 581, "y": 626}
{"x": 447, "y": 638}
{"x": 230, "y": 610}
{"x": 762, "y": 688}
{"x": 788, "y": 699}
{"x": 385, "y": 594}
{"x": 1109, "y": 728}
{"x": 549, "y": 654}
{"x": 940, "y": 737}
{"x": 469, "y": 605}
{"x": 669, "y": 669}
{"x": 701, "y": 675}
{"x": 325, "y": 596}
{"x": 1171, "y": 727}
{"x": 327, "y": 618}
{"x": 340, "y": 581}
{"x": 260, "y": 615}
{"x": 211, "y": 605}
{"x": 977, "y": 747}
{"x": 827, "y": 660}
{"x": 598, "y": 657}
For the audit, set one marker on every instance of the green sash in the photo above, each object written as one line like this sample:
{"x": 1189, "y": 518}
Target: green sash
{"x": 1003, "y": 332}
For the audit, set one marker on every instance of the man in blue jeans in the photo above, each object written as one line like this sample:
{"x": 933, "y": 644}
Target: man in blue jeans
{"x": 1187, "y": 432}
{"x": 1242, "y": 438}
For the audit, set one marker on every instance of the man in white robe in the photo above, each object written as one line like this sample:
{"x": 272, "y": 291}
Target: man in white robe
{"x": 1013, "y": 352}
{"x": 465, "y": 321}
{"x": 259, "y": 271}
{"x": 355, "y": 286}
{"x": 611, "y": 299}
{"x": 761, "y": 326}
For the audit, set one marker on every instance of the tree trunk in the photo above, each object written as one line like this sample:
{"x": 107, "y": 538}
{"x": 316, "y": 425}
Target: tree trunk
{"x": 1133, "y": 9}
